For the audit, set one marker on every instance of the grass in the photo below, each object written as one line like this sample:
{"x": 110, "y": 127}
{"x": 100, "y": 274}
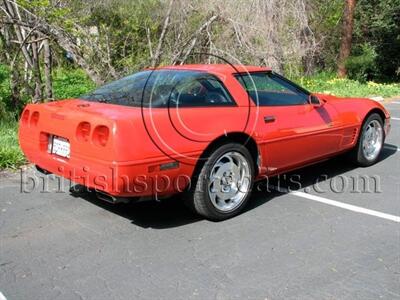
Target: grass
{"x": 11, "y": 156}
{"x": 72, "y": 83}
{"x": 328, "y": 83}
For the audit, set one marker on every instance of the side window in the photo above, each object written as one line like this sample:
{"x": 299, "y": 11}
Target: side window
{"x": 267, "y": 89}
{"x": 201, "y": 90}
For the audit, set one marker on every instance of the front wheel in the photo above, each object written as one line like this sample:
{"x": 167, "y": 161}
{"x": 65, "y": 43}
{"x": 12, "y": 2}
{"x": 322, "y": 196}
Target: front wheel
{"x": 223, "y": 184}
{"x": 370, "y": 142}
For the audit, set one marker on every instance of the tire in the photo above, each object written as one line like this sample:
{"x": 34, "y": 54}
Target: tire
{"x": 368, "y": 148}
{"x": 218, "y": 179}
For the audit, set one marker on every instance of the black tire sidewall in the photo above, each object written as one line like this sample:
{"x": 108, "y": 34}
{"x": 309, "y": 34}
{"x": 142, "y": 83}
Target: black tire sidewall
{"x": 361, "y": 159}
{"x": 201, "y": 190}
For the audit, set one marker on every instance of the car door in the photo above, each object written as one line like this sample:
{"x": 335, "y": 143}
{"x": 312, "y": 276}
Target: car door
{"x": 290, "y": 130}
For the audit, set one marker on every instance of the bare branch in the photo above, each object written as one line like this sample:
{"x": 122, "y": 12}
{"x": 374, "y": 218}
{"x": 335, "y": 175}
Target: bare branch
{"x": 156, "y": 58}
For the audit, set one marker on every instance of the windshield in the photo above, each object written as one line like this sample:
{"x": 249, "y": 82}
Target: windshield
{"x": 163, "y": 88}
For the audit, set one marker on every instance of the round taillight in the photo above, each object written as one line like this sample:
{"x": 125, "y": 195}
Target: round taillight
{"x": 25, "y": 116}
{"x": 83, "y": 131}
{"x": 100, "y": 135}
{"x": 35, "y": 118}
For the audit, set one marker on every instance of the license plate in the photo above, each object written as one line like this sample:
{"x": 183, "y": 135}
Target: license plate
{"x": 59, "y": 146}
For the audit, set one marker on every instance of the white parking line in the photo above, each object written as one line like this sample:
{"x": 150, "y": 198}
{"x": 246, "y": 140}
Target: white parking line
{"x": 394, "y": 118}
{"x": 354, "y": 208}
{"x": 2, "y": 297}
{"x": 394, "y": 102}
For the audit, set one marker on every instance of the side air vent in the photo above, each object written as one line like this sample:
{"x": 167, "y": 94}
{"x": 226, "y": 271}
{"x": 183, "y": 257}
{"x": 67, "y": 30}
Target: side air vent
{"x": 349, "y": 136}
{"x": 353, "y": 137}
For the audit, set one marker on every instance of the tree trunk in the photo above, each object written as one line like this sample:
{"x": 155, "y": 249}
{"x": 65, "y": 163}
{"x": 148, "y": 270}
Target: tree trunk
{"x": 14, "y": 74}
{"x": 13, "y": 11}
{"x": 36, "y": 73}
{"x": 47, "y": 70}
{"x": 347, "y": 34}
{"x": 15, "y": 89}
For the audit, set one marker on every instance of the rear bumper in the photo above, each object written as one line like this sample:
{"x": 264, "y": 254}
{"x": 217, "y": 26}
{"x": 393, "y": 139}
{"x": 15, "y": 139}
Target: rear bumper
{"x": 119, "y": 179}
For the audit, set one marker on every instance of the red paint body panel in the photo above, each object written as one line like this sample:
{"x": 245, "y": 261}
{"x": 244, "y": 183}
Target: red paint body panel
{"x": 121, "y": 150}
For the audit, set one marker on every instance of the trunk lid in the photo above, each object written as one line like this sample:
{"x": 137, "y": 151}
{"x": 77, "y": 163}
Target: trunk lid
{"x": 87, "y": 128}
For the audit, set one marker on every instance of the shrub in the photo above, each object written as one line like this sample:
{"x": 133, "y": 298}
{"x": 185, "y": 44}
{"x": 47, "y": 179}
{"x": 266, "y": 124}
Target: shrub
{"x": 10, "y": 153}
{"x": 70, "y": 83}
{"x": 362, "y": 65}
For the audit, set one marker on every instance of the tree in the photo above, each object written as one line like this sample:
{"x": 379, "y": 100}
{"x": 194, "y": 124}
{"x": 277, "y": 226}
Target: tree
{"x": 376, "y": 40}
{"x": 346, "y": 39}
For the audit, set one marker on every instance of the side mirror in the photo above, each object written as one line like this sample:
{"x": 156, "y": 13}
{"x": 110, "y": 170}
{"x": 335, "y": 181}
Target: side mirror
{"x": 315, "y": 101}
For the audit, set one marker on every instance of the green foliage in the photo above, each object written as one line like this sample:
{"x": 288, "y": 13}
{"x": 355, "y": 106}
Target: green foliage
{"x": 376, "y": 38}
{"x": 70, "y": 83}
{"x": 124, "y": 30}
{"x": 362, "y": 65}
{"x": 60, "y": 14}
{"x": 325, "y": 22}
{"x": 67, "y": 83}
{"x": 378, "y": 24}
{"x": 328, "y": 83}
{"x": 6, "y": 112}
{"x": 10, "y": 153}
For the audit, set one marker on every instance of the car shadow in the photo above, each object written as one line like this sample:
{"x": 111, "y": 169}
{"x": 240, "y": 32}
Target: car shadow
{"x": 172, "y": 212}
{"x": 166, "y": 213}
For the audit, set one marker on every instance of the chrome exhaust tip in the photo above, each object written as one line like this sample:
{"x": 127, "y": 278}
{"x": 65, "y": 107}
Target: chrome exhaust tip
{"x": 41, "y": 170}
{"x": 110, "y": 198}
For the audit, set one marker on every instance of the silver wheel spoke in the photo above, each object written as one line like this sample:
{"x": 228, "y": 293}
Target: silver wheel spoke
{"x": 229, "y": 181}
{"x": 372, "y": 140}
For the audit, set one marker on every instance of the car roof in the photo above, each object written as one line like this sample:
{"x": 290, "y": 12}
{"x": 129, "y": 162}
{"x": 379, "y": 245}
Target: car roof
{"x": 218, "y": 68}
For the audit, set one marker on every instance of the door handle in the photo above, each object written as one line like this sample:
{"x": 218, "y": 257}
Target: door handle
{"x": 269, "y": 119}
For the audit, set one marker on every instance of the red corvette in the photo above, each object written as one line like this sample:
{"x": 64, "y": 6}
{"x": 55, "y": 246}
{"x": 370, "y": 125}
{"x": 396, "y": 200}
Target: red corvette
{"x": 209, "y": 131}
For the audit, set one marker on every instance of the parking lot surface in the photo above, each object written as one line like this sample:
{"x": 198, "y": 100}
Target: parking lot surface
{"x": 327, "y": 240}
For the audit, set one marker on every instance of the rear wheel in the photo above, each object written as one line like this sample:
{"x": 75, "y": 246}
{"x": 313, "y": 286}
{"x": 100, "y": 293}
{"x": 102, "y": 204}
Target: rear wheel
{"x": 223, "y": 184}
{"x": 370, "y": 141}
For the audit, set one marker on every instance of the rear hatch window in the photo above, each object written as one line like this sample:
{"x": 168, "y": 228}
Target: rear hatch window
{"x": 164, "y": 88}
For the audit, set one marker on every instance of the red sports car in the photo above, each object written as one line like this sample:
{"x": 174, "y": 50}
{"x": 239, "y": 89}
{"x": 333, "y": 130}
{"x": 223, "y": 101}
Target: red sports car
{"x": 208, "y": 131}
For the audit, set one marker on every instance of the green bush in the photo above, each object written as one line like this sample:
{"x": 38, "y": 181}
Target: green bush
{"x": 5, "y": 93}
{"x": 10, "y": 154}
{"x": 362, "y": 65}
{"x": 70, "y": 83}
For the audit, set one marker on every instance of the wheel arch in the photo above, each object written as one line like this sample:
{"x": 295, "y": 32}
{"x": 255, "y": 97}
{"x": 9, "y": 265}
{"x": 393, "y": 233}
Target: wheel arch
{"x": 376, "y": 110}
{"x": 238, "y": 137}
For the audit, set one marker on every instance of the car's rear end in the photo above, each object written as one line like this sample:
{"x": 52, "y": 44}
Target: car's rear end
{"x": 63, "y": 138}
{"x": 99, "y": 145}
